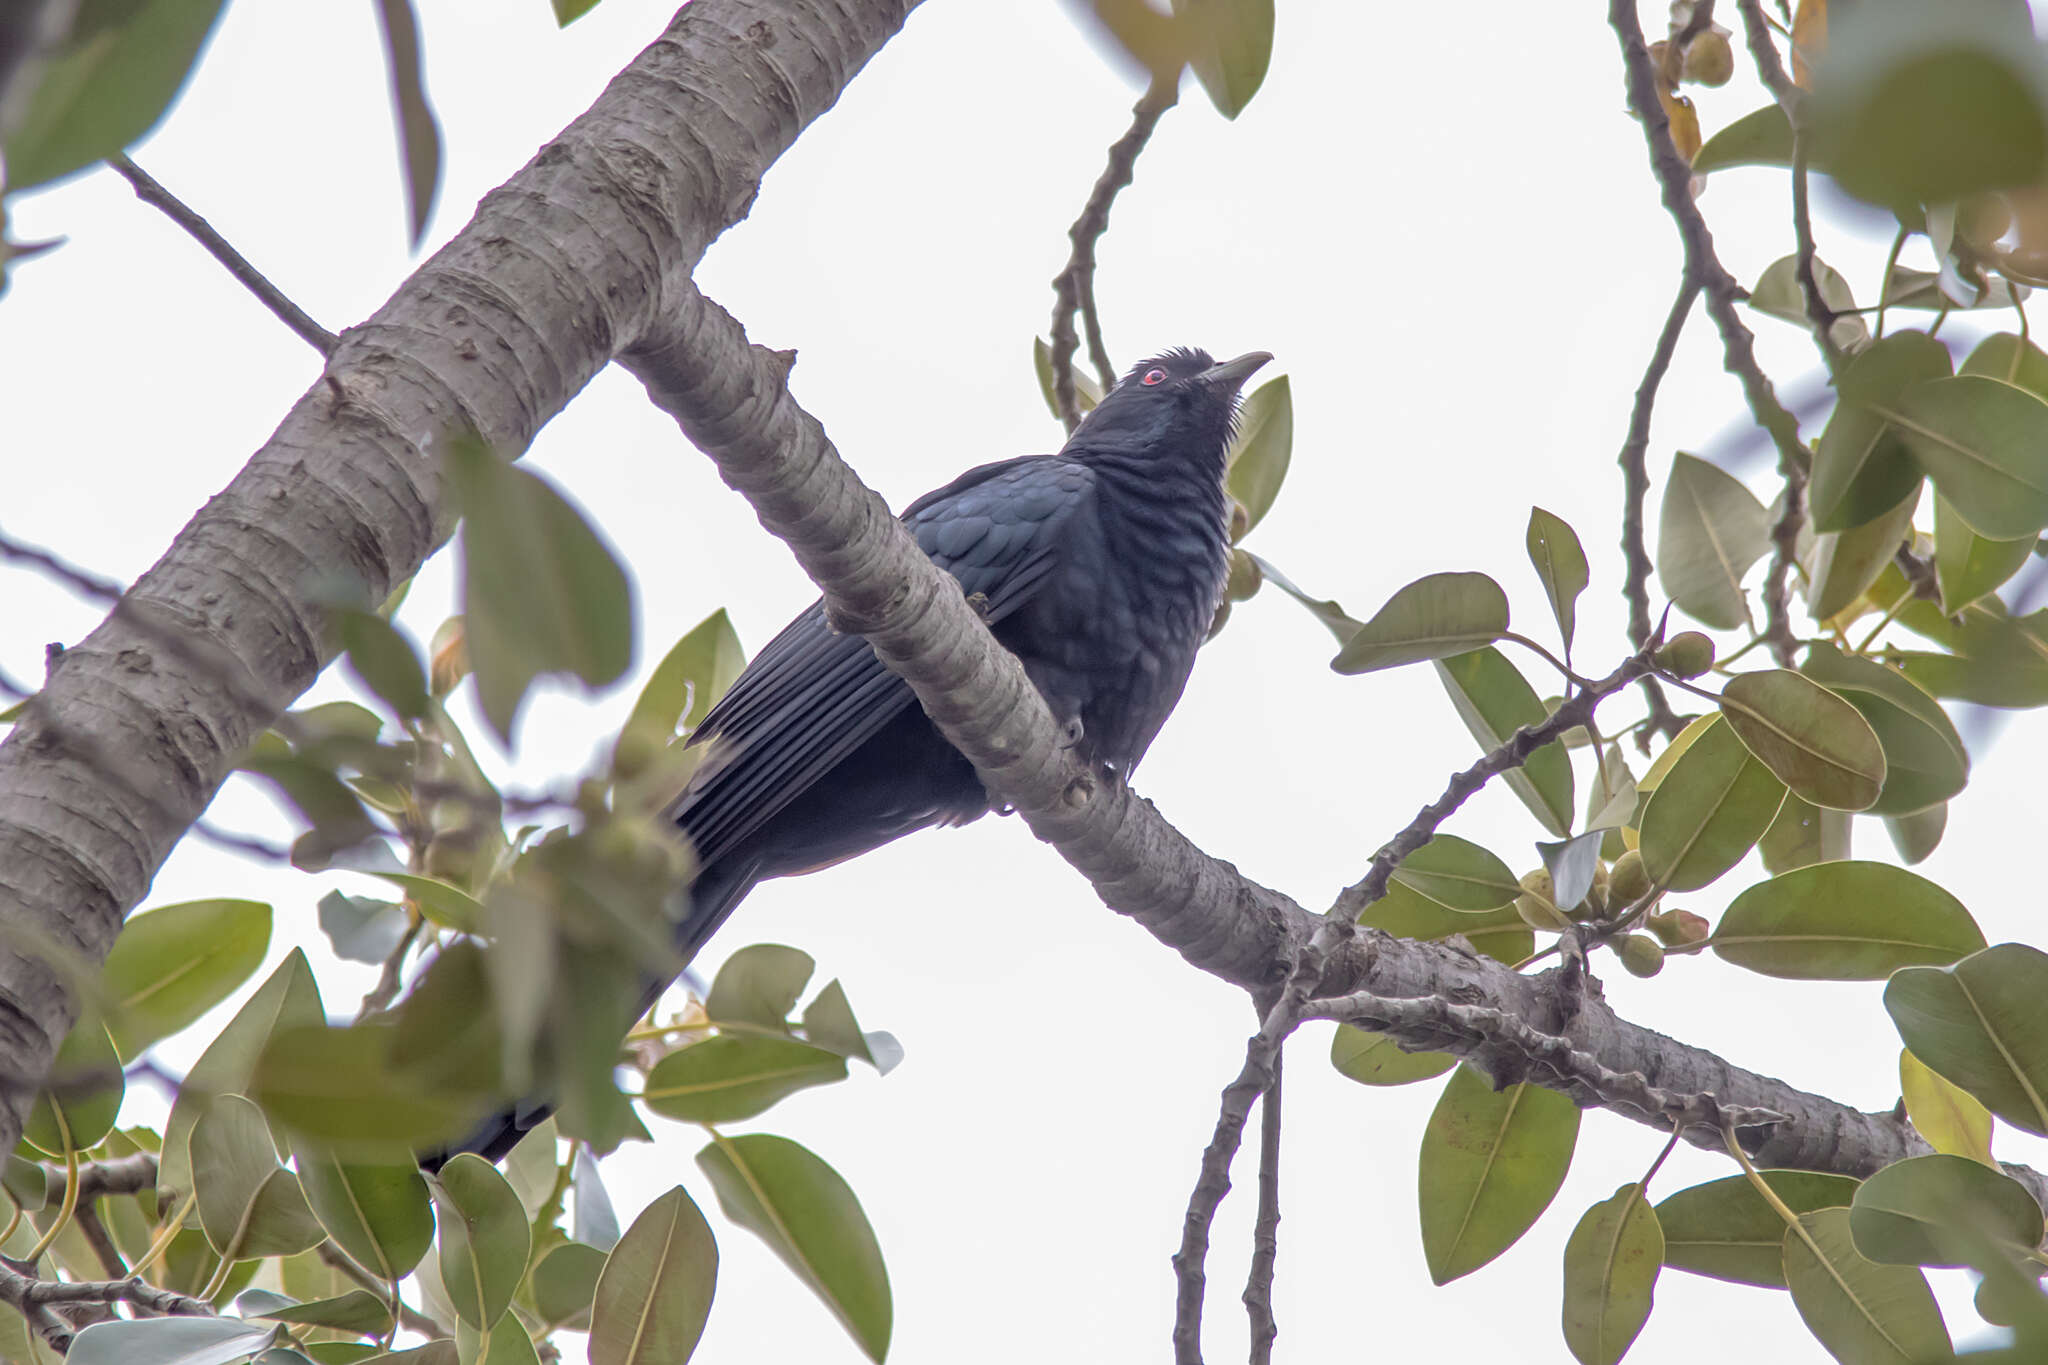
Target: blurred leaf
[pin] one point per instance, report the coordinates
(446, 905)
(1844, 921)
(1844, 565)
(568, 12)
(249, 1206)
(107, 85)
(1860, 1311)
(541, 592)
(531, 1168)
(655, 1292)
(1435, 617)
(1861, 469)
(484, 1239)
(759, 985)
(564, 1283)
(1816, 743)
(1229, 43)
(1708, 811)
(172, 964)
(2013, 358)
(1610, 1276)
(336, 1088)
(1491, 1163)
(335, 813)
(85, 1086)
(1459, 874)
(596, 1223)
(1969, 566)
(385, 660)
(690, 677)
(1264, 441)
(1917, 835)
(829, 1023)
(1375, 1059)
(1977, 1024)
(419, 137)
(360, 929)
(380, 1215)
(1985, 443)
(1725, 1230)
(1930, 289)
(1087, 393)
(806, 1214)
(1494, 701)
(358, 1312)
(1710, 531)
(1911, 1212)
(1561, 563)
(735, 1076)
(1778, 294)
(1760, 138)
(1572, 864)
(1500, 934)
(169, 1341)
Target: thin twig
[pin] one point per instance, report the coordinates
(1258, 1288)
(1073, 288)
(393, 976)
(203, 232)
(130, 1174)
(1635, 482)
(1763, 48)
(87, 1221)
(84, 582)
(410, 1318)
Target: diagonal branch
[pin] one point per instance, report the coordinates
(1635, 484)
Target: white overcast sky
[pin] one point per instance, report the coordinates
(1446, 233)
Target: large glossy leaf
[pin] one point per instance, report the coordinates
(1861, 470)
(169, 1341)
(484, 1239)
(1495, 700)
(337, 1088)
(759, 985)
(249, 1206)
(81, 1098)
(1725, 1230)
(1375, 1059)
(1610, 1276)
(541, 592)
(1949, 1117)
(736, 1076)
(1818, 744)
(1710, 531)
(1491, 1163)
(1845, 564)
(808, 1216)
(380, 1215)
(1707, 810)
(1925, 761)
(1499, 933)
(1930, 1210)
(1861, 1311)
(1969, 567)
(358, 1312)
(1230, 43)
(172, 964)
(655, 1292)
(1844, 921)
(1260, 451)
(1985, 442)
(1978, 1023)
(1458, 873)
(1561, 563)
(1762, 137)
(1435, 617)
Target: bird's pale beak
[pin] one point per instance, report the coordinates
(1231, 374)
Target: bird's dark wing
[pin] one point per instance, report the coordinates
(812, 696)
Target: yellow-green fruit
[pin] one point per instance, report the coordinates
(1240, 521)
(1982, 219)
(1679, 928)
(1630, 880)
(1687, 655)
(1245, 578)
(1709, 60)
(1642, 955)
(1538, 913)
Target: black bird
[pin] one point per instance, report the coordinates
(1101, 566)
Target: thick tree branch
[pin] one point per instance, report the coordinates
(37, 1300)
(571, 259)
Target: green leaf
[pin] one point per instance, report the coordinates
(1435, 617)
(1494, 701)
(1491, 1162)
(505, 1344)
(358, 1312)
(736, 1076)
(1087, 393)
(1970, 567)
(1978, 1024)
(1324, 609)
(1949, 1117)
(690, 677)
(1985, 443)
(1917, 835)
(172, 964)
(1844, 921)
(249, 1206)
(1709, 810)
(1610, 1276)
(1375, 1059)
(655, 1292)
(2013, 358)
(337, 1089)
(1260, 450)
(1572, 865)
(386, 661)
(569, 11)
(1859, 1310)
(85, 1086)
(1561, 563)
(1925, 761)
(107, 85)
(541, 592)
(1725, 1230)
(1230, 43)
(1861, 470)
(169, 1341)
(806, 1214)
(829, 1023)
(1816, 743)
(1762, 137)
(334, 813)
(1844, 565)
(1778, 294)
(1710, 531)
(1910, 1212)
(446, 905)
(759, 985)
(1803, 834)
(565, 1281)
(380, 1215)
(484, 1239)
(1459, 874)
(1500, 934)
(288, 999)
(419, 136)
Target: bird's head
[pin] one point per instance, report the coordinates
(1181, 399)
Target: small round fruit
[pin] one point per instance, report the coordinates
(1642, 955)
(1982, 219)
(1687, 655)
(1679, 928)
(1630, 880)
(1709, 60)
(1538, 913)
(1245, 577)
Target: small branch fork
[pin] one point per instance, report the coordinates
(39, 1301)
(1635, 482)
(1073, 288)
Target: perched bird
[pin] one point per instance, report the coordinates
(1101, 568)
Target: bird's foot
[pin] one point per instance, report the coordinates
(1072, 733)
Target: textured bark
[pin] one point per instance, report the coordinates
(563, 265)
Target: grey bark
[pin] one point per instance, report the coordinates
(569, 261)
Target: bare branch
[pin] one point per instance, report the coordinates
(37, 1299)
(122, 1175)
(217, 246)
(1635, 484)
(1074, 287)
(84, 582)
(1763, 48)
(1258, 1289)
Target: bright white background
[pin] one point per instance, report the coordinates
(1448, 236)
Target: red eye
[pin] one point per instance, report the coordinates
(1153, 377)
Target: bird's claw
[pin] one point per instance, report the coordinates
(1071, 733)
